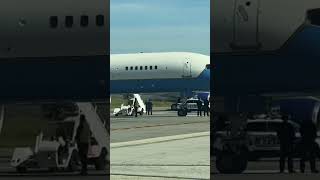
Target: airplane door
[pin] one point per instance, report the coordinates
(112, 73)
(186, 72)
(245, 33)
(115, 73)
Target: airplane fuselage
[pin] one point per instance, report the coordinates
(159, 72)
(262, 48)
(53, 50)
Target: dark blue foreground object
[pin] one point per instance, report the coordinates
(293, 69)
(54, 78)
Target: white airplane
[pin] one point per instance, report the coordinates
(266, 47)
(53, 49)
(159, 72)
(263, 48)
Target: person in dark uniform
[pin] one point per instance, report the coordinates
(286, 136)
(308, 135)
(150, 106)
(206, 107)
(83, 138)
(135, 105)
(199, 106)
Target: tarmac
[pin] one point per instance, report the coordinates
(161, 146)
(266, 169)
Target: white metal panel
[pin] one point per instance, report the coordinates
(246, 24)
(96, 126)
(36, 39)
(186, 68)
(277, 21)
(222, 24)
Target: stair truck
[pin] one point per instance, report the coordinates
(128, 110)
(55, 147)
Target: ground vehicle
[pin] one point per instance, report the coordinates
(55, 146)
(50, 151)
(260, 141)
(188, 106)
(128, 110)
(300, 110)
(199, 95)
(262, 136)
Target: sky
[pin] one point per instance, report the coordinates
(159, 26)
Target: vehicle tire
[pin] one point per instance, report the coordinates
(21, 169)
(100, 162)
(173, 107)
(231, 163)
(73, 163)
(182, 112)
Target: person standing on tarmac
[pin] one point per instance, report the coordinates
(135, 105)
(286, 136)
(199, 106)
(83, 138)
(150, 106)
(308, 135)
(206, 108)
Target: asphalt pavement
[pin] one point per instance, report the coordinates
(161, 146)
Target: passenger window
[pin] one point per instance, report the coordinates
(84, 21)
(314, 17)
(53, 21)
(156, 67)
(127, 68)
(69, 21)
(131, 68)
(136, 68)
(100, 20)
(150, 67)
(141, 67)
(146, 67)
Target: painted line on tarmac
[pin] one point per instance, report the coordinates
(156, 125)
(158, 139)
(121, 175)
(10, 175)
(251, 172)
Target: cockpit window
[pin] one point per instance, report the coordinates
(208, 66)
(314, 17)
